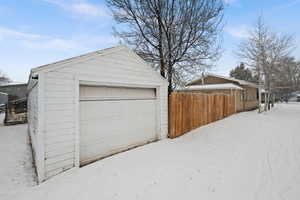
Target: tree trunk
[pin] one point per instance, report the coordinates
(269, 96)
(162, 68)
(170, 76)
(266, 101)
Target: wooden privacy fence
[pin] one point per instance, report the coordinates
(188, 111)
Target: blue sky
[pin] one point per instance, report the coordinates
(37, 32)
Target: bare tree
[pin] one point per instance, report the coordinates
(4, 78)
(180, 38)
(263, 51)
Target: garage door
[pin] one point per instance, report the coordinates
(113, 119)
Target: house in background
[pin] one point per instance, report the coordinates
(246, 93)
(92, 106)
(13, 91)
(3, 98)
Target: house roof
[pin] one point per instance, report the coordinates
(214, 87)
(240, 82)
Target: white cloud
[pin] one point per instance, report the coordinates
(95, 40)
(13, 33)
(82, 43)
(80, 7)
(241, 31)
(36, 40)
(53, 43)
(229, 1)
(45, 42)
(88, 9)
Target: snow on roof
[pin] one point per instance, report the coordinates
(214, 87)
(241, 82)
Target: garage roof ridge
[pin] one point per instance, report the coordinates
(78, 58)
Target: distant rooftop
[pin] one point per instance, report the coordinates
(213, 87)
(240, 82)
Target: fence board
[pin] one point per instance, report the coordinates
(189, 111)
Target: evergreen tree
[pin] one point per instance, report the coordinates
(243, 73)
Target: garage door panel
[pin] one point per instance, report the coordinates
(106, 93)
(110, 126)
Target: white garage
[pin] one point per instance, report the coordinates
(89, 107)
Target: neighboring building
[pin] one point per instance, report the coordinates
(16, 112)
(3, 98)
(92, 106)
(246, 93)
(13, 90)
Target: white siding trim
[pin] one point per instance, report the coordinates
(164, 111)
(158, 113)
(41, 126)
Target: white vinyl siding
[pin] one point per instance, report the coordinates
(123, 66)
(59, 122)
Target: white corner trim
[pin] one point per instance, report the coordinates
(41, 132)
(158, 113)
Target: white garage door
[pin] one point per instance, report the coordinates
(113, 119)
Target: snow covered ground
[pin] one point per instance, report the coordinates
(246, 156)
(16, 170)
